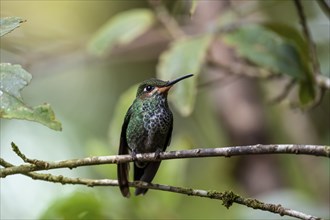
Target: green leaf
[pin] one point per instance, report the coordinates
(124, 102)
(291, 33)
(13, 79)
(268, 50)
(184, 56)
(8, 24)
(79, 205)
(123, 28)
(306, 92)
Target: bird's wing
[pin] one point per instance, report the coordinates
(169, 135)
(123, 168)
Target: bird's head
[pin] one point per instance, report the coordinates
(151, 87)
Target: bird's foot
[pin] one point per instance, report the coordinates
(157, 153)
(133, 154)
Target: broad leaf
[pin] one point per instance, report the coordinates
(8, 24)
(184, 56)
(292, 34)
(124, 102)
(77, 205)
(121, 29)
(13, 79)
(306, 92)
(268, 50)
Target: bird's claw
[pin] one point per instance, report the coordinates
(157, 153)
(133, 154)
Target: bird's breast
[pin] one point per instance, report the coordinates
(157, 124)
(149, 129)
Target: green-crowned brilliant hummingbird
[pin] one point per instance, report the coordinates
(147, 128)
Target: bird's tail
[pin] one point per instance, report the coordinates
(145, 174)
(122, 172)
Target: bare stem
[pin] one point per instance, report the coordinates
(166, 19)
(285, 93)
(325, 7)
(35, 165)
(323, 81)
(308, 36)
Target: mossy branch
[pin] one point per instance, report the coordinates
(227, 197)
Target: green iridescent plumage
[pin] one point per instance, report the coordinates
(147, 128)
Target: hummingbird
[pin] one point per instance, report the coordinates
(147, 128)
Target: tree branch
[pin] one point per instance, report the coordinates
(227, 197)
(36, 165)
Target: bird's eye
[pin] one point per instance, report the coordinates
(148, 88)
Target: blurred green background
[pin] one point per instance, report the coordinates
(84, 90)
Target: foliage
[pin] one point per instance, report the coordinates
(121, 29)
(262, 46)
(122, 105)
(8, 24)
(183, 57)
(93, 93)
(271, 51)
(268, 50)
(13, 79)
(78, 205)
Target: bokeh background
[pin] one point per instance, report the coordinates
(84, 90)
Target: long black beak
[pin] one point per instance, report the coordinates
(171, 83)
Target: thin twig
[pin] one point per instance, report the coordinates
(325, 7)
(242, 68)
(308, 36)
(38, 163)
(227, 197)
(166, 19)
(323, 81)
(220, 82)
(287, 89)
(315, 150)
